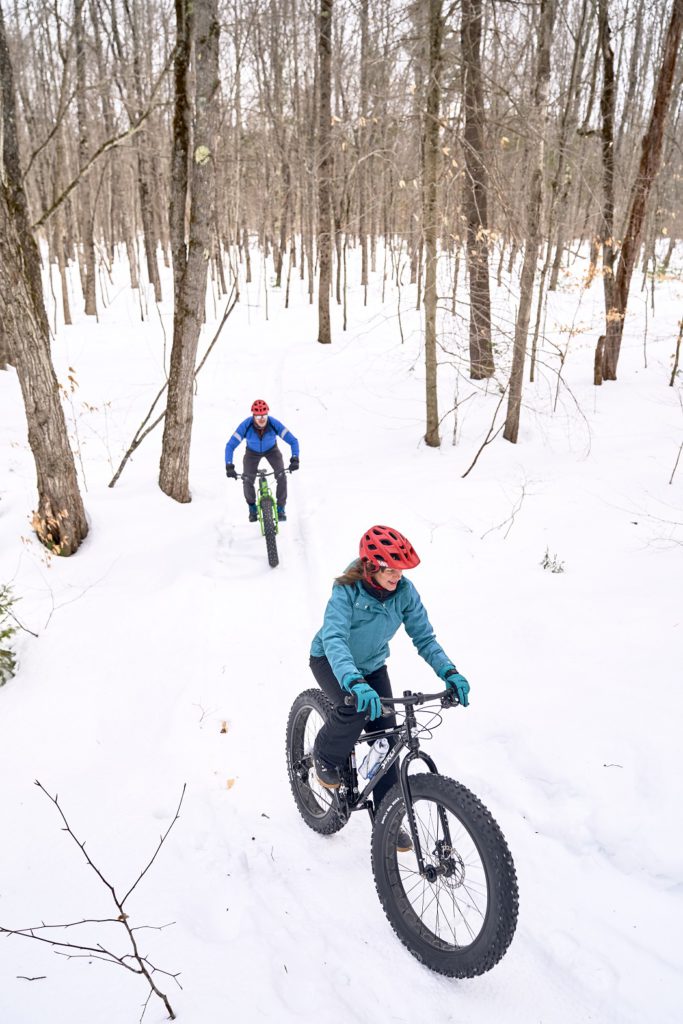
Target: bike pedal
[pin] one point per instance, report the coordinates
(327, 785)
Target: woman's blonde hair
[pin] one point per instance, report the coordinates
(354, 573)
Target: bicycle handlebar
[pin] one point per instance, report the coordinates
(259, 472)
(448, 698)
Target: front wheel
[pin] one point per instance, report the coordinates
(317, 805)
(269, 530)
(460, 915)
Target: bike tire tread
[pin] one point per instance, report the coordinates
(270, 532)
(492, 943)
(313, 699)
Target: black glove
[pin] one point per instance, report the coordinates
(293, 463)
(230, 470)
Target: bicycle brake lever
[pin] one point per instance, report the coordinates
(450, 700)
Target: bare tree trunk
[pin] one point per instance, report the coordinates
(562, 179)
(325, 172)
(190, 269)
(476, 194)
(59, 520)
(650, 161)
(85, 204)
(58, 234)
(142, 144)
(363, 152)
(284, 218)
(247, 253)
(4, 349)
(677, 354)
(121, 218)
(533, 228)
(430, 217)
(180, 156)
(63, 276)
(607, 108)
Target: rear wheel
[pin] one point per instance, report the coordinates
(317, 805)
(270, 531)
(459, 916)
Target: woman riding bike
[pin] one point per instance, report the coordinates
(369, 603)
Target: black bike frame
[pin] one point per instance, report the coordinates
(407, 740)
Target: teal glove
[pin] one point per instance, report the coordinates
(366, 699)
(457, 682)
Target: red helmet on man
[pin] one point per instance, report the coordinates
(259, 407)
(381, 547)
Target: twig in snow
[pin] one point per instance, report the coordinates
(510, 519)
(671, 480)
(136, 962)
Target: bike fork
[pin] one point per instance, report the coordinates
(430, 872)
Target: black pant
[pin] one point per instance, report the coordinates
(249, 467)
(336, 739)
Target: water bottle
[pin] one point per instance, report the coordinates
(373, 759)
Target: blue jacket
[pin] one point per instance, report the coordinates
(357, 629)
(247, 430)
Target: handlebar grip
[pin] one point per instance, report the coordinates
(350, 701)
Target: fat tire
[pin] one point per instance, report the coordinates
(270, 532)
(310, 801)
(500, 919)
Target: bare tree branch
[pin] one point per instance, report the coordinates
(135, 962)
(156, 852)
(105, 147)
(489, 437)
(141, 433)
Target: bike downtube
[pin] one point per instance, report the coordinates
(390, 759)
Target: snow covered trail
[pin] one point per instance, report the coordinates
(169, 653)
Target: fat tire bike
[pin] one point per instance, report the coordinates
(266, 509)
(453, 899)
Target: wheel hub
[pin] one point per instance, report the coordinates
(448, 864)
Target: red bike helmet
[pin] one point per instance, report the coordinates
(384, 548)
(259, 407)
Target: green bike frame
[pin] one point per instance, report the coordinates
(264, 491)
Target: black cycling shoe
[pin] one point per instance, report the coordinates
(404, 843)
(281, 514)
(253, 514)
(327, 776)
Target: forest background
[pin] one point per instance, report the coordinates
(494, 135)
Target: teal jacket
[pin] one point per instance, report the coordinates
(357, 628)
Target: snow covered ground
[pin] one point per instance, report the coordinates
(169, 623)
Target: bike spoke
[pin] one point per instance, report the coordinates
(451, 908)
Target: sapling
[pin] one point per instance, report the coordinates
(8, 627)
(551, 562)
